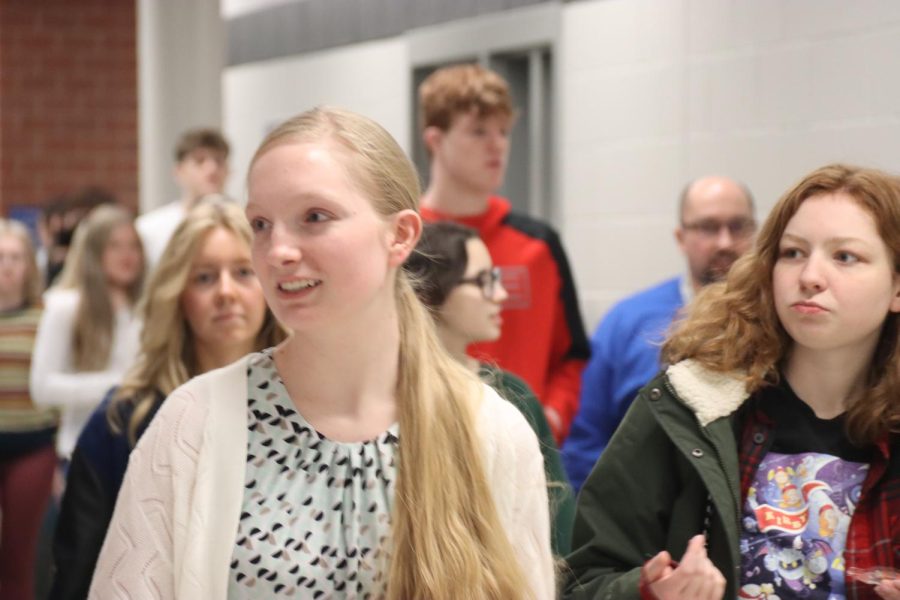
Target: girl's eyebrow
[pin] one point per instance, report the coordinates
(831, 240)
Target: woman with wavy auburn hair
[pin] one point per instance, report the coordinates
(203, 309)
(770, 447)
(357, 458)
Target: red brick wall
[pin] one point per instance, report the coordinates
(68, 99)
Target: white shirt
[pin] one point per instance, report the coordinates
(156, 228)
(54, 380)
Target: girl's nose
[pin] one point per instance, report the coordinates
(284, 248)
(812, 275)
(500, 293)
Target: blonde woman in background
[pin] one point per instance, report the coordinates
(203, 309)
(27, 455)
(357, 459)
(88, 335)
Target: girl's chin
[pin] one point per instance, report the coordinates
(491, 336)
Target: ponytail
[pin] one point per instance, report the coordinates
(448, 541)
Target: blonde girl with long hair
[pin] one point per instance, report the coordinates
(779, 408)
(27, 432)
(357, 459)
(203, 308)
(88, 336)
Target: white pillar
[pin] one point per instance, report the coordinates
(181, 56)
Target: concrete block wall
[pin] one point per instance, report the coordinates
(656, 92)
(68, 99)
(652, 93)
(370, 77)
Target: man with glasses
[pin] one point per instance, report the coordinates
(716, 227)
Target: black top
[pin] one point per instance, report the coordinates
(797, 429)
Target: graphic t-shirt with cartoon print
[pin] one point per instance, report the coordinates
(798, 508)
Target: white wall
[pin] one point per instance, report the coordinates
(372, 78)
(236, 8)
(652, 94)
(655, 92)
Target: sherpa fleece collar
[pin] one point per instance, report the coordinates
(709, 394)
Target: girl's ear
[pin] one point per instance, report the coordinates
(895, 300)
(406, 228)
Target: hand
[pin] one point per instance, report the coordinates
(695, 578)
(889, 589)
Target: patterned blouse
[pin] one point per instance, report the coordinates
(315, 519)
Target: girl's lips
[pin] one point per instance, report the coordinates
(808, 308)
(291, 286)
(297, 289)
(229, 316)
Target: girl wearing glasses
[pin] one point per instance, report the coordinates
(356, 459)
(766, 458)
(455, 278)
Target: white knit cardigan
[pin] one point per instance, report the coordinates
(176, 518)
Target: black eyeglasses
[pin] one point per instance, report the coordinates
(710, 228)
(487, 280)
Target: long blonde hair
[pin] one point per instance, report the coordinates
(733, 326)
(31, 287)
(167, 355)
(95, 318)
(447, 538)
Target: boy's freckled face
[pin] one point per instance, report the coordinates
(473, 151)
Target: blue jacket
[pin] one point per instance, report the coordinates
(624, 357)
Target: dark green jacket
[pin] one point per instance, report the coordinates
(562, 500)
(674, 452)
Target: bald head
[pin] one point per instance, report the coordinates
(714, 187)
(716, 226)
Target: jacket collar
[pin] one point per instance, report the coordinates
(486, 223)
(710, 394)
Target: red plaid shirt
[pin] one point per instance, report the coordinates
(874, 535)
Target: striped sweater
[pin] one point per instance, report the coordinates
(17, 413)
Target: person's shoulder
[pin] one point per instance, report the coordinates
(99, 439)
(709, 393)
(532, 227)
(663, 296)
(507, 379)
(57, 298)
(159, 214)
(669, 289)
(181, 420)
(98, 423)
(501, 421)
(229, 378)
